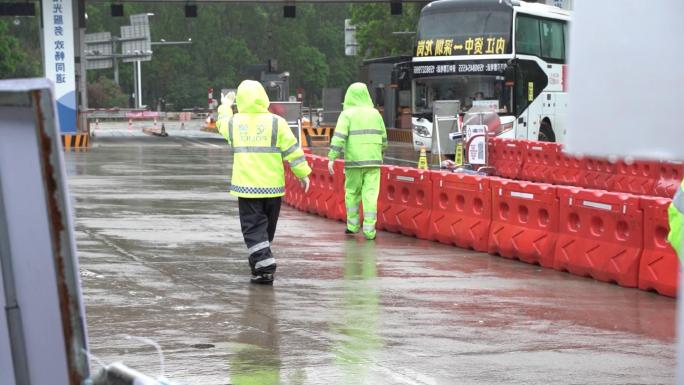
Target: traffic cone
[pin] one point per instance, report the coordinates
(422, 159)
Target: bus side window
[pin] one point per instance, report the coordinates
(552, 41)
(527, 39)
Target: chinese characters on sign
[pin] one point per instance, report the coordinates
(58, 42)
(58, 19)
(470, 46)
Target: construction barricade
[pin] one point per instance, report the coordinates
(540, 161)
(337, 209)
(294, 194)
(638, 177)
(600, 235)
(524, 221)
(322, 198)
(669, 178)
(461, 210)
(568, 169)
(507, 156)
(406, 197)
(597, 174)
(659, 265)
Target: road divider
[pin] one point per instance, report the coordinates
(613, 237)
(524, 221)
(461, 210)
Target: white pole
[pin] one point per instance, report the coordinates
(135, 84)
(139, 72)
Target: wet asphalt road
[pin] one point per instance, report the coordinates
(162, 257)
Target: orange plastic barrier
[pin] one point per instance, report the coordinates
(669, 178)
(461, 210)
(597, 174)
(540, 161)
(659, 264)
(294, 194)
(637, 177)
(507, 156)
(568, 169)
(337, 210)
(524, 221)
(322, 196)
(406, 199)
(600, 235)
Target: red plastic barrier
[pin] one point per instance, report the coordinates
(507, 156)
(524, 221)
(406, 200)
(322, 198)
(568, 169)
(600, 235)
(338, 210)
(294, 194)
(669, 178)
(659, 264)
(637, 177)
(597, 174)
(540, 161)
(461, 210)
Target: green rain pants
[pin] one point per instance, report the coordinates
(362, 184)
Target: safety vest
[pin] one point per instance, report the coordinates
(360, 131)
(676, 218)
(260, 142)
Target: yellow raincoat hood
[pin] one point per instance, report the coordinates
(251, 97)
(357, 96)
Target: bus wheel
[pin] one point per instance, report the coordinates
(546, 132)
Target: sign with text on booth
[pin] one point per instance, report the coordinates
(475, 136)
(60, 68)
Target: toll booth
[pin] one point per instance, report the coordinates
(390, 89)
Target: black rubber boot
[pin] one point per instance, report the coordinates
(263, 279)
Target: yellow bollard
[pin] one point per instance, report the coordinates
(422, 159)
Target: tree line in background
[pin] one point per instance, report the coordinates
(227, 41)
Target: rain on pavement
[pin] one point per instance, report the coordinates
(162, 257)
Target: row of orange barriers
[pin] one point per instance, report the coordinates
(547, 163)
(609, 236)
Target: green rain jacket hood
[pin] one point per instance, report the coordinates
(360, 131)
(357, 96)
(251, 97)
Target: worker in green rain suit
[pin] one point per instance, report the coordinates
(676, 217)
(225, 112)
(358, 328)
(360, 134)
(256, 358)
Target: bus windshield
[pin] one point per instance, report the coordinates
(466, 24)
(486, 91)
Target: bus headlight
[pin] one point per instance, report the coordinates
(421, 131)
